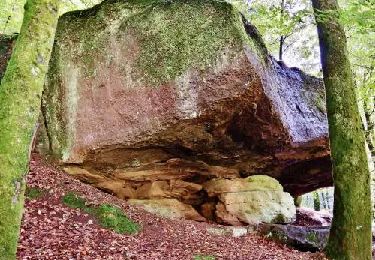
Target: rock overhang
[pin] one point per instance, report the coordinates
(180, 90)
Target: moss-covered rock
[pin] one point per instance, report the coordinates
(300, 237)
(147, 43)
(251, 183)
(254, 207)
(253, 200)
(134, 85)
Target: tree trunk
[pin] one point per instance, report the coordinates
(369, 110)
(282, 38)
(20, 92)
(350, 236)
(369, 126)
(281, 45)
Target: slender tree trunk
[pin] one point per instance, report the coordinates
(369, 109)
(350, 236)
(20, 92)
(281, 45)
(282, 37)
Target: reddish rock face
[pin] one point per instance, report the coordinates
(165, 115)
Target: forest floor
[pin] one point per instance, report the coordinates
(52, 230)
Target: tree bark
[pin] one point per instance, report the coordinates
(20, 93)
(350, 236)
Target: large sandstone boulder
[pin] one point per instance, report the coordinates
(253, 200)
(152, 99)
(134, 84)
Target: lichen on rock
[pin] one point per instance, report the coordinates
(251, 183)
(253, 200)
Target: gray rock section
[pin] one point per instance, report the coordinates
(303, 238)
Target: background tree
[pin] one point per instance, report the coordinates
(20, 93)
(350, 236)
(282, 23)
(358, 18)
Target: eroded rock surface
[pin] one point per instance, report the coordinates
(152, 99)
(253, 200)
(168, 208)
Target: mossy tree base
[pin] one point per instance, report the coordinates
(20, 93)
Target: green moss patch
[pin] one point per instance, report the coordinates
(34, 193)
(108, 216)
(265, 181)
(73, 201)
(171, 36)
(113, 218)
(204, 257)
(312, 237)
(178, 36)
